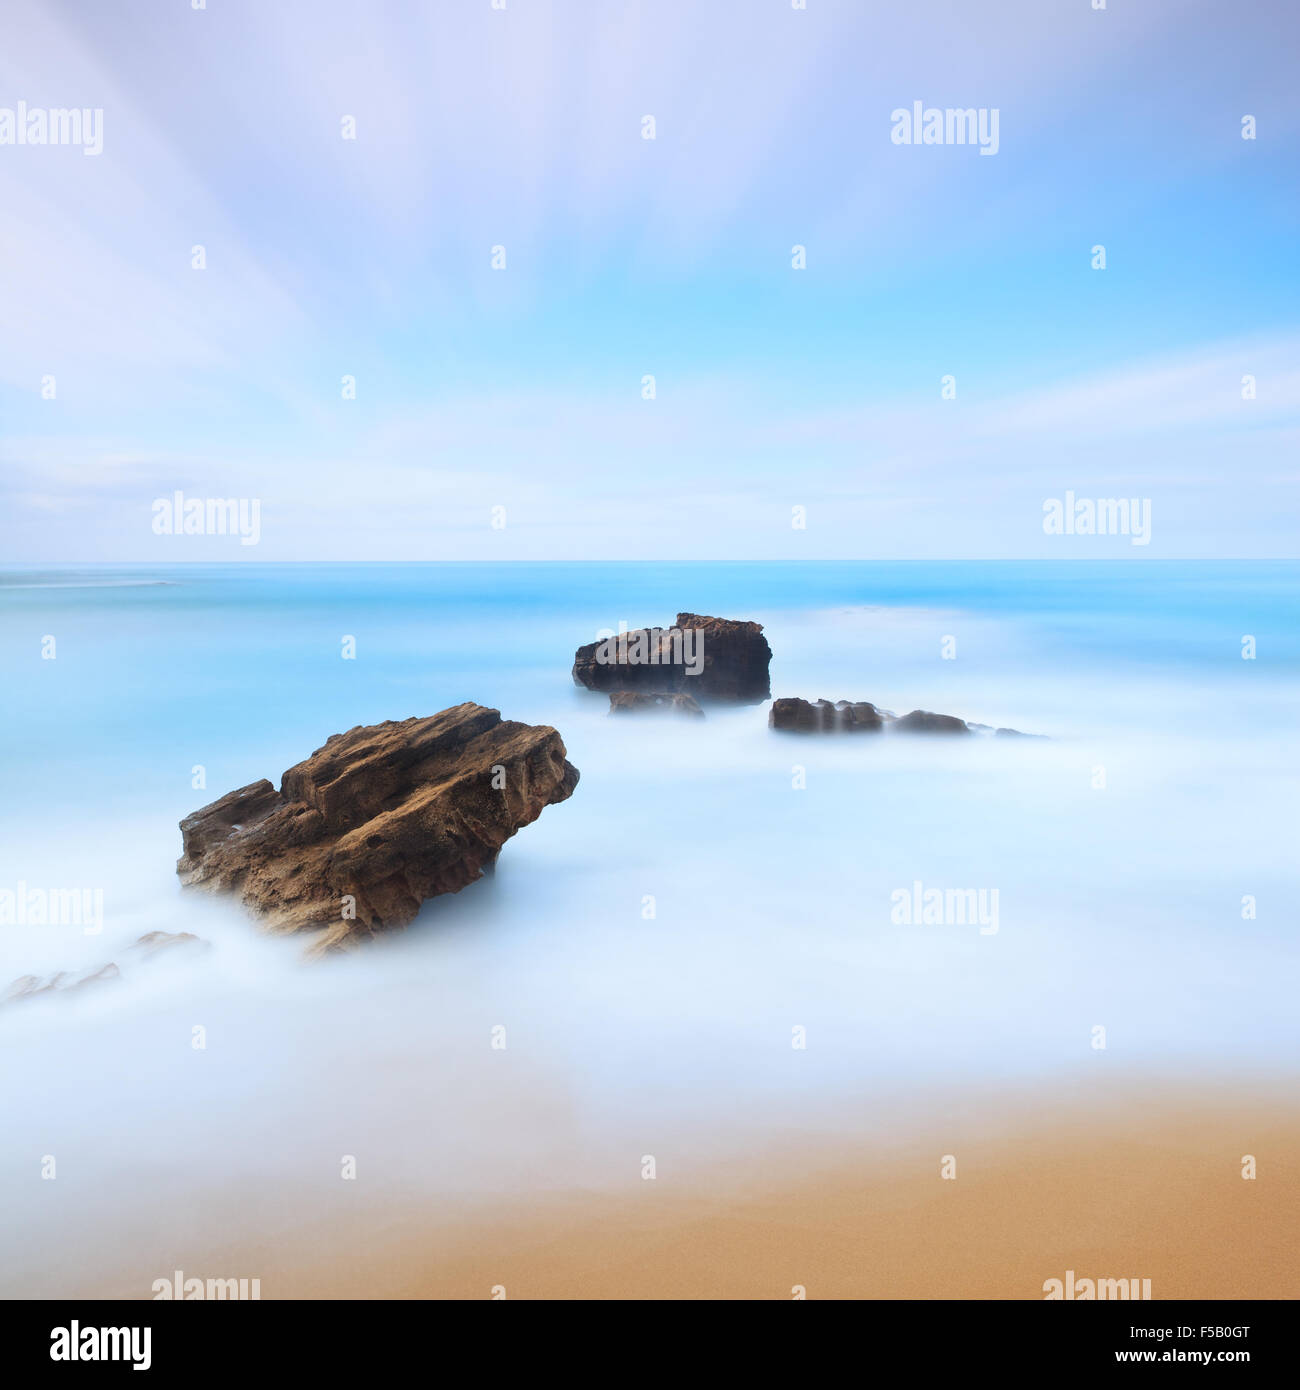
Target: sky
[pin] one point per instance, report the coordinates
(502, 413)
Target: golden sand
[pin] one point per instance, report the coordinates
(1144, 1184)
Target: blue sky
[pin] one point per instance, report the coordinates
(521, 388)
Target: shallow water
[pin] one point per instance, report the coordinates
(1118, 906)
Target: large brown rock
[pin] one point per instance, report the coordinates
(377, 821)
(709, 658)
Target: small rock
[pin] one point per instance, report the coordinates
(921, 721)
(152, 942)
(61, 982)
(794, 715)
(642, 702)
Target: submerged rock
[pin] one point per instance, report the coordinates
(642, 702)
(845, 716)
(921, 721)
(377, 821)
(69, 982)
(708, 658)
(154, 941)
(61, 982)
(858, 716)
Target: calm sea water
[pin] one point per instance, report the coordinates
(1121, 852)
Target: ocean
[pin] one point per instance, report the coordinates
(700, 953)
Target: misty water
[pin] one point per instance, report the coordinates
(1121, 850)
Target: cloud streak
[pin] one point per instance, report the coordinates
(328, 259)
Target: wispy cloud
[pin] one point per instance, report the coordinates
(370, 259)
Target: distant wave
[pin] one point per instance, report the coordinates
(95, 584)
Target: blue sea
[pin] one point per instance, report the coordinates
(656, 949)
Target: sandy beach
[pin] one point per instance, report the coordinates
(1140, 1183)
